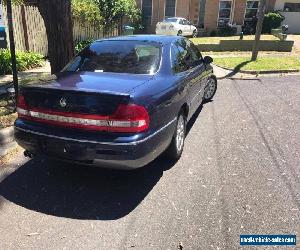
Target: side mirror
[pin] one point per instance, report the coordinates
(208, 60)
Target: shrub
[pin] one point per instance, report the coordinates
(227, 30)
(213, 33)
(272, 20)
(82, 44)
(25, 61)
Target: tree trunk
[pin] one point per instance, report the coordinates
(261, 15)
(59, 28)
(12, 49)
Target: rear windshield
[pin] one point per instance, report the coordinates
(134, 57)
(171, 20)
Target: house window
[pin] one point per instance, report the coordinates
(170, 8)
(292, 7)
(202, 13)
(251, 10)
(225, 8)
(147, 11)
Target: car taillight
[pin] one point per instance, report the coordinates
(129, 118)
(22, 107)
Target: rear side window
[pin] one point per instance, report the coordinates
(177, 55)
(185, 55)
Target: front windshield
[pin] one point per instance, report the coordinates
(171, 20)
(134, 57)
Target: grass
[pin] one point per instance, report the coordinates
(216, 40)
(262, 63)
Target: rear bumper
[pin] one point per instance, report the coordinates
(120, 153)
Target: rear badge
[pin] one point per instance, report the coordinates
(63, 102)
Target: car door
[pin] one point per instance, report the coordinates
(182, 27)
(186, 28)
(189, 28)
(200, 68)
(188, 67)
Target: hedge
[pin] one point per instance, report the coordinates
(25, 61)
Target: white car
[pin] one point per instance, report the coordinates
(176, 26)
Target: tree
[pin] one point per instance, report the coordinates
(112, 11)
(86, 11)
(59, 28)
(261, 14)
(12, 48)
(57, 17)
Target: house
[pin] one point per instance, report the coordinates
(207, 14)
(290, 9)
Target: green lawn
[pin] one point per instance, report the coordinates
(216, 40)
(262, 64)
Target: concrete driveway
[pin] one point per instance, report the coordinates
(239, 174)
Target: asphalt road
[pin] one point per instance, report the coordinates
(239, 174)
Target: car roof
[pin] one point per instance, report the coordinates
(146, 38)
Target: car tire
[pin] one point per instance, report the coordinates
(179, 33)
(210, 89)
(195, 33)
(177, 144)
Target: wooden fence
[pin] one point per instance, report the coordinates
(30, 31)
(85, 31)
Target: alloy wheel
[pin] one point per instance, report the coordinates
(210, 89)
(180, 133)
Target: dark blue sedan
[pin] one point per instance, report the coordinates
(119, 103)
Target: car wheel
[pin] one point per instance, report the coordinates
(210, 89)
(179, 33)
(195, 33)
(176, 147)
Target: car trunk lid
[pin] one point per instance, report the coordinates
(85, 104)
(83, 92)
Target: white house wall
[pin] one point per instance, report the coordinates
(292, 19)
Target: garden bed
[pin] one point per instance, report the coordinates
(263, 64)
(25, 60)
(233, 43)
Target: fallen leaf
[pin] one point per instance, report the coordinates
(32, 234)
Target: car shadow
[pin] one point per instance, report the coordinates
(194, 118)
(81, 192)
